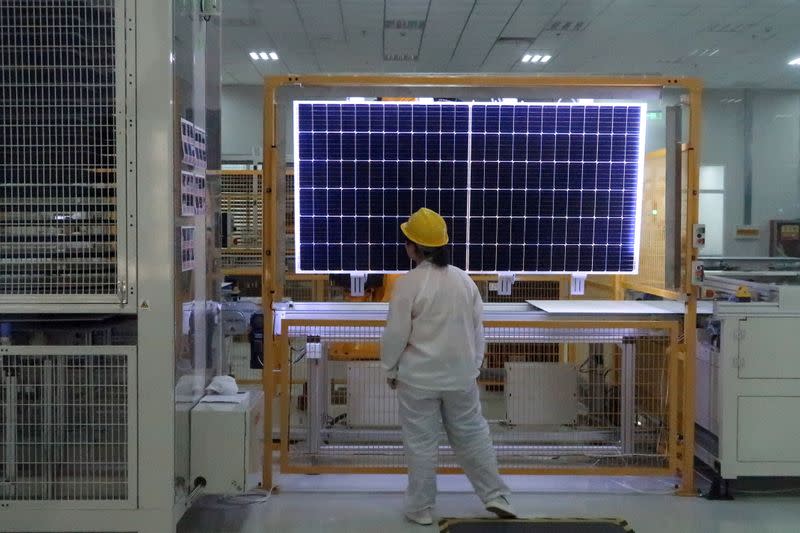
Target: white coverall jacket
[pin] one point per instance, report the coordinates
(444, 348)
(434, 345)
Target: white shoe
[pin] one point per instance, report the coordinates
(501, 507)
(423, 518)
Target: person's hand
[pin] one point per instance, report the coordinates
(392, 383)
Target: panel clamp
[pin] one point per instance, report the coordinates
(505, 281)
(577, 284)
(358, 281)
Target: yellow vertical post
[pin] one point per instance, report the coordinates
(619, 289)
(690, 318)
(318, 290)
(269, 286)
(564, 288)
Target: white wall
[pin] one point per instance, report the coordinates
(771, 130)
(242, 121)
(776, 149)
(773, 125)
(723, 144)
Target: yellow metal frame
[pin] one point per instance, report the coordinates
(283, 391)
(273, 291)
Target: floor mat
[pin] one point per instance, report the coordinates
(534, 525)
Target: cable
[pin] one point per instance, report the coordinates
(775, 491)
(249, 498)
(300, 358)
(754, 492)
(640, 491)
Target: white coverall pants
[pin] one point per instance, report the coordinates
(467, 431)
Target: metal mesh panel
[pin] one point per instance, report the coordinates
(64, 423)
(555, 397)
(241, 258)
(289, 221)
(241, 198)
(522, 291)
(299, 290)
(58, 148)
(240, 182)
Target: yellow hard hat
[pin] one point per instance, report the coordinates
(426, 228)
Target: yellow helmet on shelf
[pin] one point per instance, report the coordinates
(426, 228)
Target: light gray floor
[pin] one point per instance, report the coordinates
(373, 504)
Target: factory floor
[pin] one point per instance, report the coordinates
(337, 504)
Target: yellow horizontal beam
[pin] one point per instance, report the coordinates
(290, 276)
(457, 80)
(522, 277)
(242, 271)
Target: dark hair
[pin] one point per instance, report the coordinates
(440, 256)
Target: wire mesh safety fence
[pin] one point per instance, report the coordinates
(65, 427)
(522, 291)
(241, 203)
(244, 182)
(299, 290)
(556, 396)
(59, 186)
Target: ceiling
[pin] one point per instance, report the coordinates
(729, 43)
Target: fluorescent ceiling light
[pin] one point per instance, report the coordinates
(795, 62)
(545, 59)
(536, 58)
(253, 55)
(526, 58)
(264, 55)
(274, 56)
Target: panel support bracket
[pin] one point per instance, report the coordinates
(577, 284)
(358, 280)
(505, 281)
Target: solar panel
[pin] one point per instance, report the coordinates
(523, 187)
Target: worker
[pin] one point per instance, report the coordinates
(432, 349)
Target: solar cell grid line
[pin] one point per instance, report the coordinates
(530, 187)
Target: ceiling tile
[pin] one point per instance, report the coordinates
(322, 19)
(406, 9)
(531, 18)
(484, 26)
(443, 28)
(401, 43)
